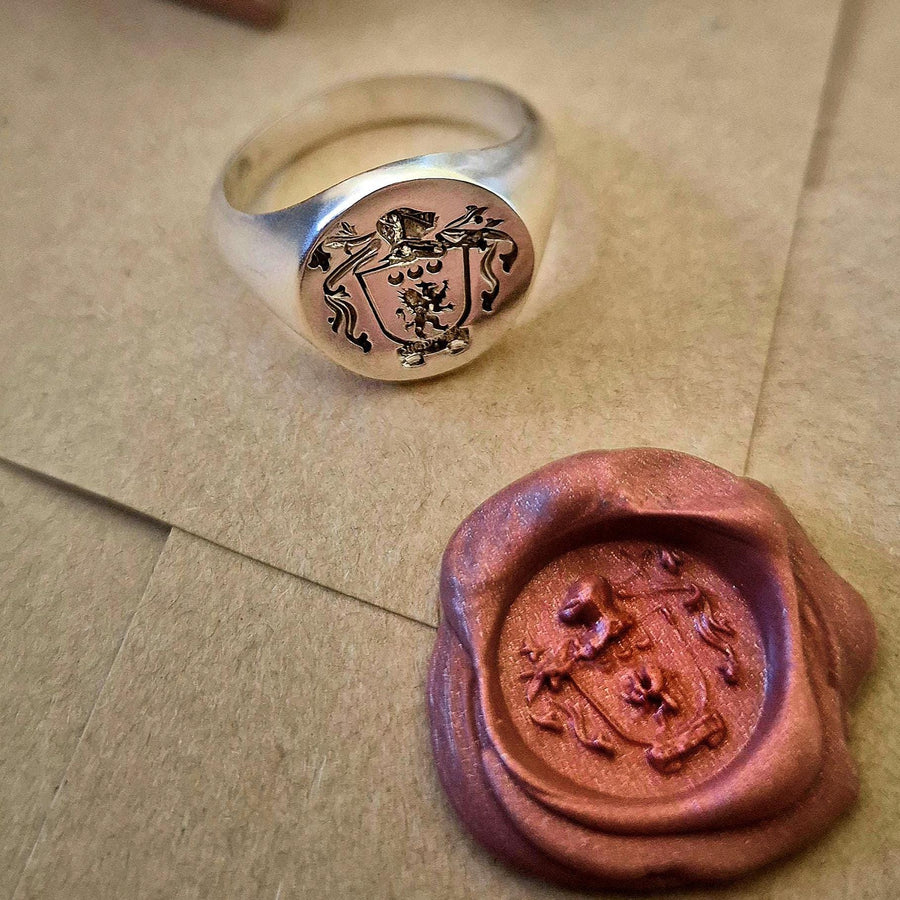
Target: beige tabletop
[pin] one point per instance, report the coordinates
(219, 587)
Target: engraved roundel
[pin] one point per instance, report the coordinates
(416, 278)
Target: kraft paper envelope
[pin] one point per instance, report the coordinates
(72, 572)
(828, 425)
(259, 736)
(827, 432)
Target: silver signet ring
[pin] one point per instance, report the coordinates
(410, 269)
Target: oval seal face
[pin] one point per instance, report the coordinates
(641, 674)
(416, 279)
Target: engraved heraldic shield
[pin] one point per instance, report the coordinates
(414, 280)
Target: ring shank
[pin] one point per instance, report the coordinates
(264, 248)
(371, 104)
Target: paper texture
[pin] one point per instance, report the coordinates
(72, 571)
(137, 366)
(828, 426)
(257, 735)
(260, 737)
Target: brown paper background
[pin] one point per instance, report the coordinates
(827, 431)
(72, 572)
(728, 227)
(259, 736)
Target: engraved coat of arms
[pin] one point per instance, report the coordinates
(419, 280)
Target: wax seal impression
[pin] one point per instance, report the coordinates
(641, 674)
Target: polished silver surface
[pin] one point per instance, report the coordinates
(354, 269)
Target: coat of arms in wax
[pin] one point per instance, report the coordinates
(642, 672)
(418, 279)
(642, 667)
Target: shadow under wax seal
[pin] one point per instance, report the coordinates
(641, 674)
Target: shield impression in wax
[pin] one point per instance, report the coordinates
(642, 674)
(632, 667)
(417, 278)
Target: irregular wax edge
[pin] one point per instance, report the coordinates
(709, 857)
(457, 757)
(838, 605)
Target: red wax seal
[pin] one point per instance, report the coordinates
(641, 674)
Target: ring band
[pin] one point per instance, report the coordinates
(410, 269)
